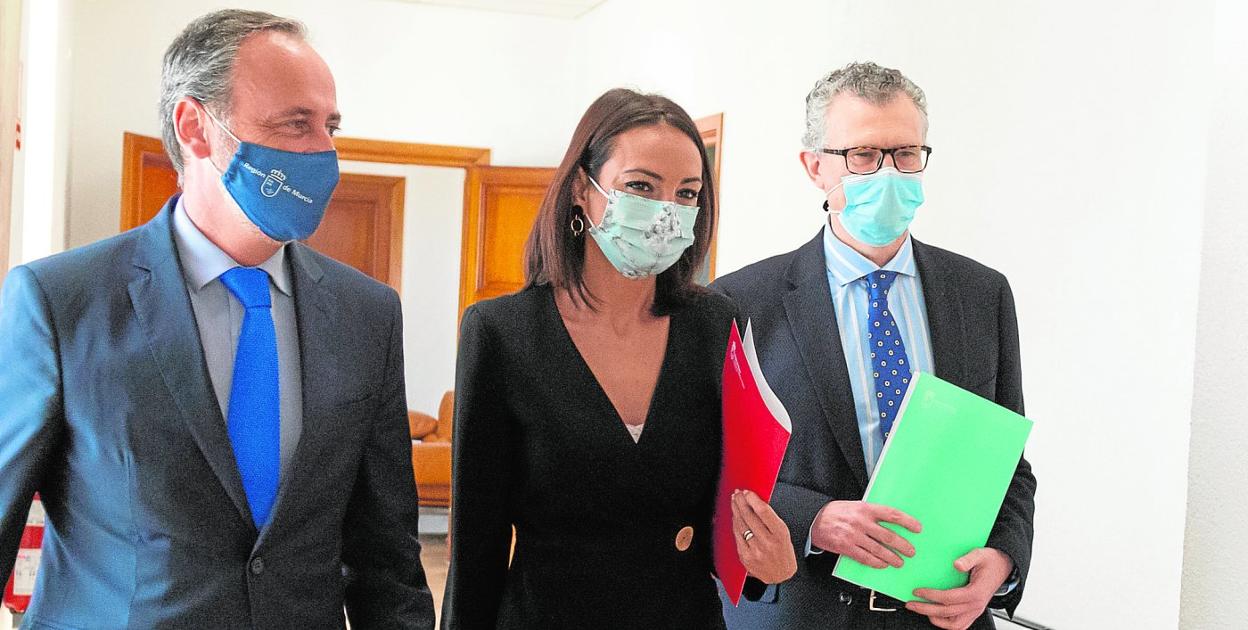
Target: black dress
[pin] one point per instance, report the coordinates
(539, 446)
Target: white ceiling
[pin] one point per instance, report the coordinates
(551, 8)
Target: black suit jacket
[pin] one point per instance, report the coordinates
(539, 446)
(107, 410)
(974, 337)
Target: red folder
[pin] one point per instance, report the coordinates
(756, 434)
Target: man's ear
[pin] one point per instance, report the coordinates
(811, 163)
(192, 128)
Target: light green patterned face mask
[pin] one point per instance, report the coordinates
(642, 237)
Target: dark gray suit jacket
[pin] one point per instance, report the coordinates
(974, 336)
(107, 410)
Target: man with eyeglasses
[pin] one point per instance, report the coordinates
(817, 313)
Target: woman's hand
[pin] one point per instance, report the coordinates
(763, 542)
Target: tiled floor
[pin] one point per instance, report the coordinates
(435, 559)
(433, 555)
(1004, 624)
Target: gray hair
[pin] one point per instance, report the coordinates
(200, 60)
(866, 80)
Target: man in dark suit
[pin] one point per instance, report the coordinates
(842, 323)
(212, 413)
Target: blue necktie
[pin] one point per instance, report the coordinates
(889, 363)
(254, 420)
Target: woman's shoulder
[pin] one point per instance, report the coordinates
(514, 311)
(712, 307)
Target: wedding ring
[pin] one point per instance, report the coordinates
(747, 535)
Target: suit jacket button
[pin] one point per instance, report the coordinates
(684, 538)
(257, 566)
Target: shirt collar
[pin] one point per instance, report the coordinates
(203, 261)
(847, 265)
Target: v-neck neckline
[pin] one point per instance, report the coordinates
(604, 400)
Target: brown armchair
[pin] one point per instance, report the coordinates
(431, 453)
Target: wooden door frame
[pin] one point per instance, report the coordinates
(413, 153)
(711, 129)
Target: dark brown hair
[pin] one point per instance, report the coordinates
(556, 256)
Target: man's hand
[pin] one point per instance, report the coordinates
(958, 608)
(853, 529)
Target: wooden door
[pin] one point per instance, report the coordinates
(147, 179)
(502, 204)
(363, 225)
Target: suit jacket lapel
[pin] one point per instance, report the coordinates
(163, 309)
(944, 314)
(808, 306)
(316, 320)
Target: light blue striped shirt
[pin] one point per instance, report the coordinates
(847, 271)
(847, 280)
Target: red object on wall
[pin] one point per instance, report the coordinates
(22, 582)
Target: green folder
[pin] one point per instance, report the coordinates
(948, 463)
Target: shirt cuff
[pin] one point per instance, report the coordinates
(811, 549)
(1009, 585)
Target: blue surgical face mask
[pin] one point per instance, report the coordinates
(282, 192)
(642, 237)
(879, 207)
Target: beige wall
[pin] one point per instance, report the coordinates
(10, 28)
(10, 36)
(433, 206)
(404, 72)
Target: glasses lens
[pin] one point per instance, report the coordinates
(863, 160)
(910, 159)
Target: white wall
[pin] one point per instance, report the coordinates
(1216, 554)
(432, 223)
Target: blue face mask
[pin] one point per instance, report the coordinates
(282, 192)
(879, 207)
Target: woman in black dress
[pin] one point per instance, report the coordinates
(587, 408)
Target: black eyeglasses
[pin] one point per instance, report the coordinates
(867, 160)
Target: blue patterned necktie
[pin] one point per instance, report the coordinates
(889, 363)
(254, 420)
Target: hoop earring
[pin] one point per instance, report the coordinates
(578, 224)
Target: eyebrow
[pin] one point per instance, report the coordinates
(643, 171)
(304, 112)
